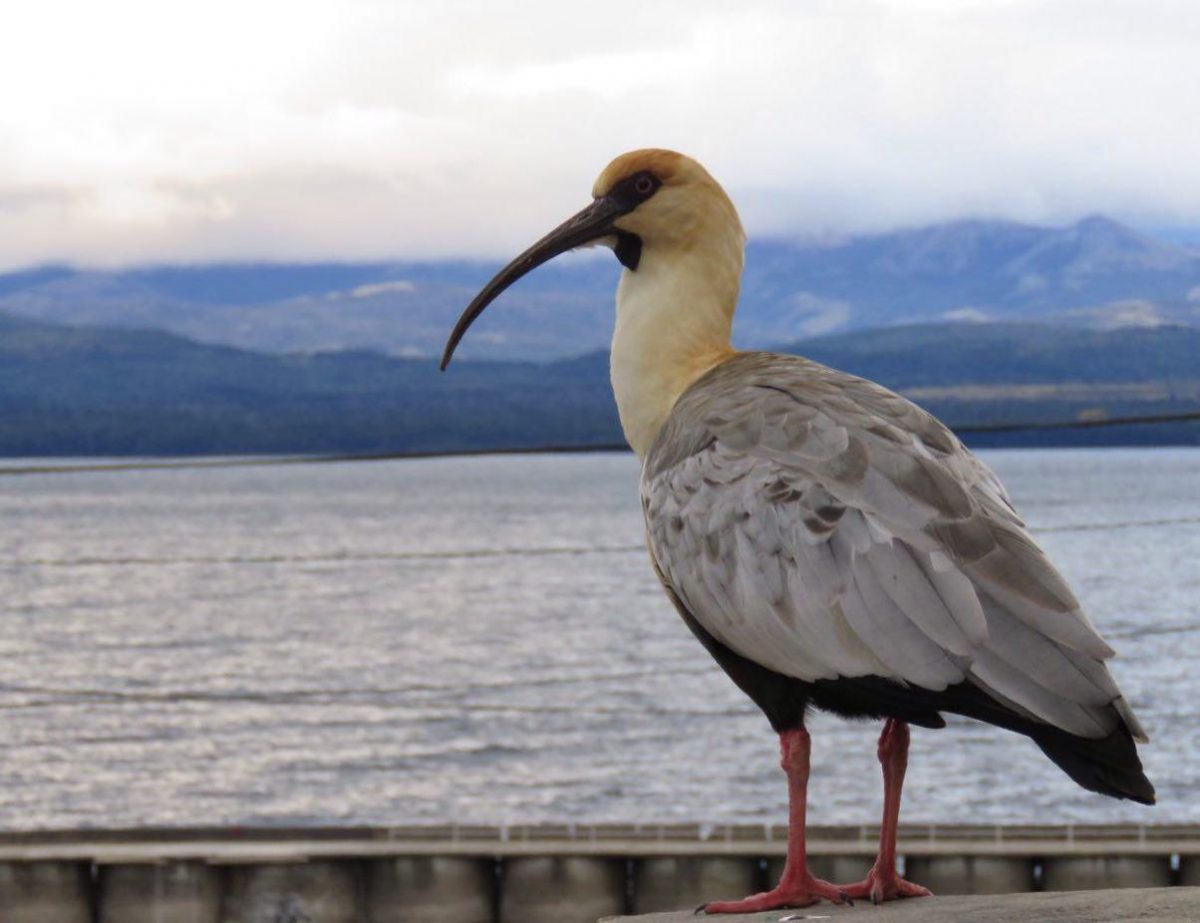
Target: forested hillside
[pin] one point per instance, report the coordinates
(121, 392)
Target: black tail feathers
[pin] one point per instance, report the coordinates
(1108, 765)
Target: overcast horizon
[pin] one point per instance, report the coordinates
(138, 133)
(1187, 237)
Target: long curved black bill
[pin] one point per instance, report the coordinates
(593, 222)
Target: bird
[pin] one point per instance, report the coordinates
(830, 543)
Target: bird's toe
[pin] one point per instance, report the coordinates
(794, 894)
(885, 886)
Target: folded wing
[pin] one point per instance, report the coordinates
(824, 527)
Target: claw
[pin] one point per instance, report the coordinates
(699, 909)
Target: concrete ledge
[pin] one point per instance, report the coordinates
(1160, 905)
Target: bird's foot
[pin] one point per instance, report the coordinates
(885, 885)
(802, 893)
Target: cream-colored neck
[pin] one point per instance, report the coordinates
(674, 315)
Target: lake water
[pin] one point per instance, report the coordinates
(482, 640)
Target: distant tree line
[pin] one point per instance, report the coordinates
(68, 391)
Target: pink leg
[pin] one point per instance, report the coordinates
(797, 888)
(882, 883)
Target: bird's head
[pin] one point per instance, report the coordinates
(645, 201)
(676, 203)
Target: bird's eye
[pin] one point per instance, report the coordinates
(643, 185)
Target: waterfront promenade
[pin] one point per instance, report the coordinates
(531, 874)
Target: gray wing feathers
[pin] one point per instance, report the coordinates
(824, 526)
(894, 636)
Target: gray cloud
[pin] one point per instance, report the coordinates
(364, 129)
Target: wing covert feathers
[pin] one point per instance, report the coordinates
(824, 527)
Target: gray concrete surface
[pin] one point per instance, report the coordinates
(1160, 905)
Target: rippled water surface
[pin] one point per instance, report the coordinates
(482, 640)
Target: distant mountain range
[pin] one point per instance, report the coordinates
(1095, 273)
(90, 391)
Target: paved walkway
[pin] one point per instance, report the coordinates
(1160, 905)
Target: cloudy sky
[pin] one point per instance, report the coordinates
(136, 131)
